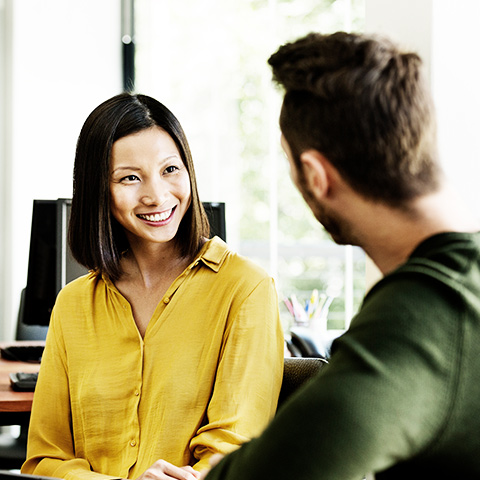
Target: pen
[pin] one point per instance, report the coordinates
(289, 306)
(322, 310)
(312, 304)
(300, 314)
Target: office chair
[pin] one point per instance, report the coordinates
(13, 450)
(28, 332)
(296, 372)
(304, 343)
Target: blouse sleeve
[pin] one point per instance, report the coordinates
(248, 378)
(50, 446)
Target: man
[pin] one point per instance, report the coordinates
(400, 397)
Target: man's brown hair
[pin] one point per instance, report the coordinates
(365, 106)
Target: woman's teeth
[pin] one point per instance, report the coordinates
(157, 217)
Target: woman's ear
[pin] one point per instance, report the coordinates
(316, 173)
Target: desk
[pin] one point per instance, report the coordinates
(15, 407)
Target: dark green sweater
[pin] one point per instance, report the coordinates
(401, 395)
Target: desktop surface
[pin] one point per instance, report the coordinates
(10, 400)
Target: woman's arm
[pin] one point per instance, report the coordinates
(50, 449)
(248, 378)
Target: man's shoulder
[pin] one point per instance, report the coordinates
(450, 258)
(441, 279)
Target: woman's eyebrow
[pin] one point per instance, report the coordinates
(126, 167)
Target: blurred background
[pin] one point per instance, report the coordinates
(206, 61)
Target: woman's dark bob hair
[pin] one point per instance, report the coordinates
(96, 239)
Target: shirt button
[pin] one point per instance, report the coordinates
(166, 300)
(133, 443)
(137, 393)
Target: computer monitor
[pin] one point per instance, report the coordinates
(50, 263)
(216, 216)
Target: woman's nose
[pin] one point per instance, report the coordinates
(153, 192)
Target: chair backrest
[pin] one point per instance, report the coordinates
(28, 332)
(297, 371)
(306, 343)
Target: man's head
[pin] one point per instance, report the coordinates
(364, 105)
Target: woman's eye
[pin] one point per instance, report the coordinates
(130, 178)
(171, 169)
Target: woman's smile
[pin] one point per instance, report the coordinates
(158, 218)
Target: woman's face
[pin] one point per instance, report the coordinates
(149, 186)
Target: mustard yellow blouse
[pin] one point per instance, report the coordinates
(205, 378)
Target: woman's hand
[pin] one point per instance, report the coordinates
(162, 470)
(213, 461)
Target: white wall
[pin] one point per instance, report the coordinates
(4, 170)
(456, 87)
(61, 59)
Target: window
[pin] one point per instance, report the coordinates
(207, 62)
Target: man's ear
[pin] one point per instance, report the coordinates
(316, 173)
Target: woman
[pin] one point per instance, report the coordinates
(170, 350)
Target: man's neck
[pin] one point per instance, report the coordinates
(390, 235)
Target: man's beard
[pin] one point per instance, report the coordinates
(335, 225)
